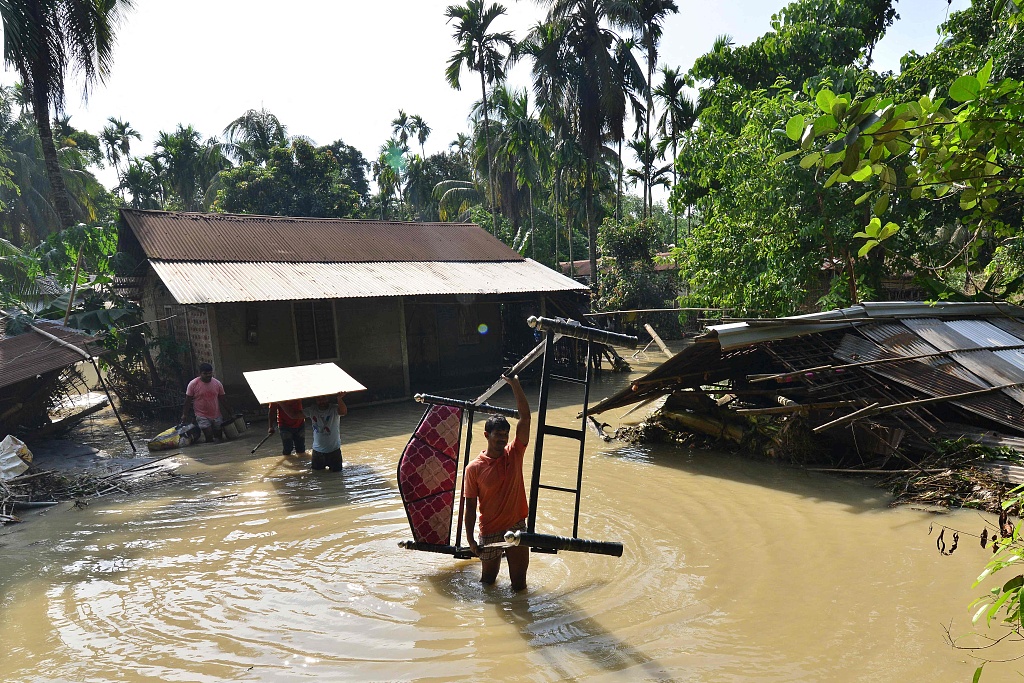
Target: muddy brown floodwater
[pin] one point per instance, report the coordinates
(252, 568)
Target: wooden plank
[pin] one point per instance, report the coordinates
(658, 341)
(300, 381)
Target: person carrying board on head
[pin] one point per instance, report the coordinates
(326, 421)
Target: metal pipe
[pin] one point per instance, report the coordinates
(575, 330)
(550, 542)
(458, 553)
(465, 405)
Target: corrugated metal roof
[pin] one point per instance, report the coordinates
(211, 283)
(931, 381)
(735, 335)
(897, 338)
(985, 364)
(173, 236)
(29, 354)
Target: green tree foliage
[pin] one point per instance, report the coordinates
(480, 50)
(187, 166)
(630, 281)
(43, 40)
(299, 180)
(252, 135)
(424, 175)
(806, 37)
(962, 151)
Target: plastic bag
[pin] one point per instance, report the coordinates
(14, 457)
(175, 437)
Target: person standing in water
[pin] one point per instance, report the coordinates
(495, 479)
(326, 420)
(205, 397)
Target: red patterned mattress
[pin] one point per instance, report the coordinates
(426, 474)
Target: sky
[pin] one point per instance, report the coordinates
(343, 69)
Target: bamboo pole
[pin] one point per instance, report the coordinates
(74, 285)
(99, 375)
(658, 341)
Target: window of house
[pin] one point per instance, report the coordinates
(314, 330)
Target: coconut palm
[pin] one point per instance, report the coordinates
(461, 146)
(403, 128)
(650, 173)
(188, 165)
(43, 40)
(422, 131)
(480, 51)
(141, 180)
(574, 70)
(646, 18)
(678, 118)
(252, 135)
(116, 139)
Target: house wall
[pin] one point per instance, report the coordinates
(371, 346)
(273, 345)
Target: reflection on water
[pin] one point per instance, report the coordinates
(254, 568)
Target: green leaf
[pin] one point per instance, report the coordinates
(862, 173)
(881, 204)
(863, 198)
(862, 234)
(888, 231)
(868, 246)
(785, 155)
(825, 99)
(810, 160)
(833, 178)
(873, 226)
(985, 73)
(825, 123)
(965, 89)
(795, 127)
(989, 204)
(977, 673)
(916, 192)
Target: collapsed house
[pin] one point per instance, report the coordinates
(875, 387)
(35, 368)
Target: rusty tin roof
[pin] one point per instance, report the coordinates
(30, 354)
(220, 237)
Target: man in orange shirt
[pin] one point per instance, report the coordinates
(495, 478)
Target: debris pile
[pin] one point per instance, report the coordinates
(931, 397)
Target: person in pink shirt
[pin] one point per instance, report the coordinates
(205, 397)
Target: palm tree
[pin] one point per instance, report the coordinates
(188, 165)
(631, 80)
(252, 135)
(403, 127)
(678, 118)
(43, 40)
(646, 19)
(479, 51)
(574, 70)
(422, 131)
(461, 145)
(116, 139)
(141, 180)
(649, 174)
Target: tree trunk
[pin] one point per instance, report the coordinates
(487, 150)
(61, 203)
(588, 194)
(675, 181)
(618, 191)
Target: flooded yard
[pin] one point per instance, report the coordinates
(252, 568)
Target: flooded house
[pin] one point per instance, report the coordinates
(403, 307)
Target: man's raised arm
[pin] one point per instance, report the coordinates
(523, 406)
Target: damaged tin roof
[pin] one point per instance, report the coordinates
(31, 354)
(938, 351)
